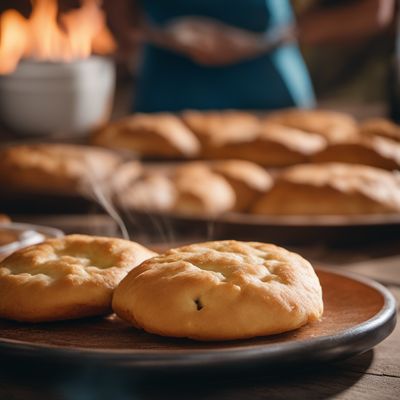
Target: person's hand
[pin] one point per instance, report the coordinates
(209, 42)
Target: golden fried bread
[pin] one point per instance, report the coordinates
(150, 135)
(333, 125)
(213, 128)
(153, 192)
(331, 188)
(374, 151)
(247, 179)
(54, 168)
(274, 146)
(221, 291)
(201, 192)
(125, 175)
(380, 127)
(65, 278)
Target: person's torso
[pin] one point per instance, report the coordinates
(256, 83)
(247, 14)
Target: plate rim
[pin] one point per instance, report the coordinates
(384, 318)
(247, 219)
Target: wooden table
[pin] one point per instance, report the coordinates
(372, 375)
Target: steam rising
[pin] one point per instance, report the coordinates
(94, 187)
(148, 224)
(105, 201)
(102, 192)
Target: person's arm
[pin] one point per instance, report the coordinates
(346, 23)
(207, 44)
(124, 18)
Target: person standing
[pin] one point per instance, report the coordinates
(201, 76)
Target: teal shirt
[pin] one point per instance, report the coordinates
(173, 82)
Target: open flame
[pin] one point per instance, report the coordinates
(45, 35)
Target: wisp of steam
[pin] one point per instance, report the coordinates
(95, 188)
(102, 193)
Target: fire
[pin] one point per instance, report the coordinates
(45, 35)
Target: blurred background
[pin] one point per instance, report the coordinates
(187, 120)
(122, 74)
(349, 49)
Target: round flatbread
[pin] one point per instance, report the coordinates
(220, 291)
(66, 278)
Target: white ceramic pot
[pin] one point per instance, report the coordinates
(57, 98)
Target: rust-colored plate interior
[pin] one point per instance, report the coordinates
(348, 303)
